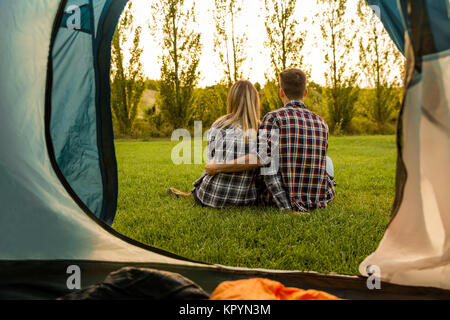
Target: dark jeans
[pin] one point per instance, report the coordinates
(194, 193)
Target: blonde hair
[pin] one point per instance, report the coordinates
(243, 108)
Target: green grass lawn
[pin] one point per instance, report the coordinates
(335, 239)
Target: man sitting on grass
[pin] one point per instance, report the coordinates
(292, 151)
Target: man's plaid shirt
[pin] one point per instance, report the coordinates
(228, 189)
(300, 138)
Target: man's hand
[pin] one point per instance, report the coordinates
(212, 169)
(246, 163)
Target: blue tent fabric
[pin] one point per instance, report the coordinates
(102, 54)
(394, 15)
(80, 126)
(42, 217)
(73, 119)
(393, 21)
(84, 21)
(439, 18)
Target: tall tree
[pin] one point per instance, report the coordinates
(211, 104)
(229, 44)
(314, 100)
(382, 65)
(127, 78)
(284, 39)
(341, 93)
(285, 43)
(179, 61)
(270, 100)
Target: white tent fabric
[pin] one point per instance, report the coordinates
(416, 247)
(39, 220)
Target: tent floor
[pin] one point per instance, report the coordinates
(47, 280)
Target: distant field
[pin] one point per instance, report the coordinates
(147, 101)
(335, 239)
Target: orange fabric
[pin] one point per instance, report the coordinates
(265, 289)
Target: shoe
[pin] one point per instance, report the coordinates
(172, 193)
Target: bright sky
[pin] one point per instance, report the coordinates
(258, 62)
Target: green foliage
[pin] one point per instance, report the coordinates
(127, 78)
(210, 105)
(340, 101)
(346, 108)
(228, 43)
(341, 93)
(380, 105)
(179, 61)
(378, 55)
(380, 109)
(336, 239)
(363, 126)
(284, 41)
(314, 99)
(152, 84)
(155, 124)
(270, 98)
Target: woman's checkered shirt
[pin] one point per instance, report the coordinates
(228, 189)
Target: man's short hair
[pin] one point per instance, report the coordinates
(293, 83)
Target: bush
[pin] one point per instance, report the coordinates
(361, 125)
(210, 105)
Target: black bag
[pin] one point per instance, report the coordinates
(141, 284)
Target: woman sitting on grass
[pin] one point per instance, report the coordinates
(233, 136)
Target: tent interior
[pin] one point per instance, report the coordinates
(58, 166)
